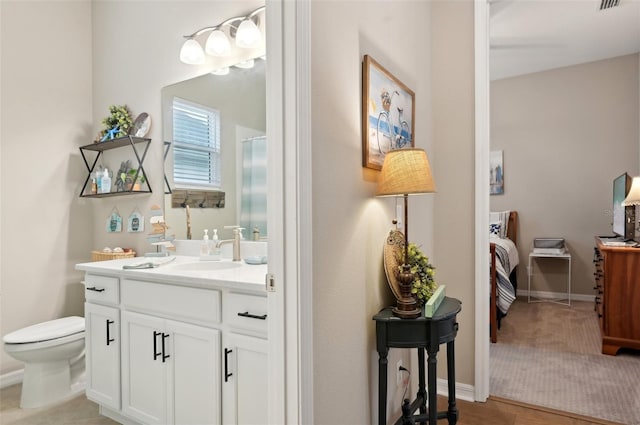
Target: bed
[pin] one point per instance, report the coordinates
(503, 230)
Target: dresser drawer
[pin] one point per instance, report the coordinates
(246, 312)
(101, 289)
(177, 302)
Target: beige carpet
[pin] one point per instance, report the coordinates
(549, 355)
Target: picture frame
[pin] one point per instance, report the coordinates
(496, 176)
(388, 114)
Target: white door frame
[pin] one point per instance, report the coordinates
(482, 131)
(288, 77)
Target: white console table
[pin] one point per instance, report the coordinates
(566, 256)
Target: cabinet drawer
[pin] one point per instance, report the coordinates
(101, 289)
(180, 302)
(246, 312)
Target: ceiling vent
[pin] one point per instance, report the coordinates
(608, 4)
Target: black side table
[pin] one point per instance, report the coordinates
(421, 333)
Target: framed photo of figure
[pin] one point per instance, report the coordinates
(388, 114)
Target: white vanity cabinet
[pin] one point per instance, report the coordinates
(169, 349)
(102, 340)
(102, 343)
(245, 360)
(170, 363)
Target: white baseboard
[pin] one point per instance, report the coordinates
(545, 295)
(11, 378)
(463, 391)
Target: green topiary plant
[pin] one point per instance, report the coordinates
(117, 124)
(424, 283)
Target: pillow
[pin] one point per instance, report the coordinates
(494, 229)
(502, 218)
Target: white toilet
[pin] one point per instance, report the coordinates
(53, 354)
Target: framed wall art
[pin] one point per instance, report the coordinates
(496, 176)
(388, 114)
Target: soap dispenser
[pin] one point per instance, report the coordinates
(105, 182)
(215, 251)
(204, 247)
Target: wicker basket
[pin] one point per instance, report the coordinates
(104, 256)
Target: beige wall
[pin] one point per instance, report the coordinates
(46, 115)
(349, 223)
(566, 134)
(452, 65)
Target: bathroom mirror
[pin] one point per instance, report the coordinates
(240, 99)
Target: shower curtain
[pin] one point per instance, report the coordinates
(253, 206)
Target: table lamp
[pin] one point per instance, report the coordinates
(405, 172)
(633, 197)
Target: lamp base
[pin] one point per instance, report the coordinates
(406, 306)
(405, 311)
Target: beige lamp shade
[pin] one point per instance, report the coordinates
(405, 172)
(633, 197)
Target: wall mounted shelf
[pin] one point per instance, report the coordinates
(119, 142)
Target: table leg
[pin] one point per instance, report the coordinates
(432, 392)
(452, 411)
(382, 385)
(422, 393)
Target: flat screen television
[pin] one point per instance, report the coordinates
(623, 217)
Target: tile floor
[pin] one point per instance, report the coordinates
(75, 411)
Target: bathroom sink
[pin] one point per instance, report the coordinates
(203, 266)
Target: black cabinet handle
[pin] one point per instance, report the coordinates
(109, 339)
(227, 375)
(93, 288)
(253, 316)
(155, 345)
(164, 338)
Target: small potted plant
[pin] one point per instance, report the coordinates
(136, 185)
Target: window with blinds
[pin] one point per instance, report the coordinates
(196, 145)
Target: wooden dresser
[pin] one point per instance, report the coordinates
(617, 276)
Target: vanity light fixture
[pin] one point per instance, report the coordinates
(243, 28)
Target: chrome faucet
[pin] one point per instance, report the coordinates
(236, 242)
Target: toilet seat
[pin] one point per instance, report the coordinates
(67, 327)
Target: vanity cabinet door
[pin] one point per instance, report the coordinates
(244, 376)
(170, 371)
(102, 342)
(144, 376)
(194, 381)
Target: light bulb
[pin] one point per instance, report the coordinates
(191, 53)
(218, 44)
(248, 35)
(245, 64)
(221, 71)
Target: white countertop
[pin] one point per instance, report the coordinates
(245, 277)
